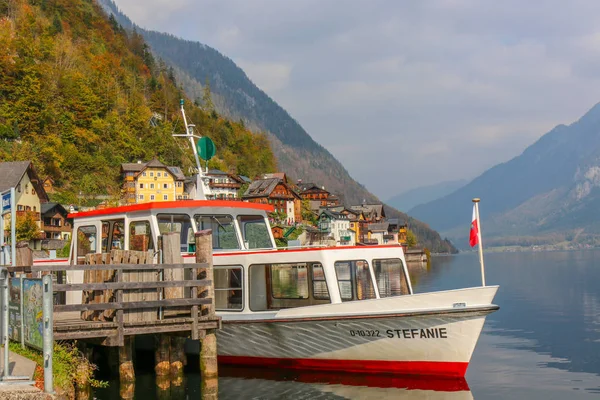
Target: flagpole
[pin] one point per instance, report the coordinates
(476, 201)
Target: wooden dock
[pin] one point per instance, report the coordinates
(125, 294)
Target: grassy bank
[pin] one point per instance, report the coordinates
(71, 370)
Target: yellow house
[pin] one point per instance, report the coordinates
(152, 181)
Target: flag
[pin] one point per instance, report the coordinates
(474, 235)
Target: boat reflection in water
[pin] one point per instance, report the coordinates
(259, 383)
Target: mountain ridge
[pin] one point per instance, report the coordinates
(237, 97)
(549, 190)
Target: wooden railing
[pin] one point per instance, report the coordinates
(118, 293)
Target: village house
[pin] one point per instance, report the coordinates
(358, 223)
(55, 224)
(223, 185)
(276, 192)
(336, 227)
(314, 193)
(49, 185)
(29, 193)
(152, 181)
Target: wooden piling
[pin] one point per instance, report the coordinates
(126, 372)
(204, 254)
(172, 255)
(208, 343)
(162, 363)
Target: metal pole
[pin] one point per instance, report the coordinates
(476, 201)
(21, 279)
(13, 228)
(48, 337)
(5, 320)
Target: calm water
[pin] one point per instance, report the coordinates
(544, 343)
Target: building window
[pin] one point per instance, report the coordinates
(141, 185)
(151, 197)
(178, 184)
(32, 191)
(166, 174)
(165, 185)
(165, 197)
(158, 174)
(151, 174)
(152, 186)
(144, 173)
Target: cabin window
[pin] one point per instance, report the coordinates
(354, 280)
(113, 233)
(223, 230)
(229, 292)
(390, 277)
(140, 236)
(289, 281)
(277, 286)
(178, 223)
(86, 242)
(319, 284)
(255, 232)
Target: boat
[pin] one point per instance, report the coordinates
(346, 308)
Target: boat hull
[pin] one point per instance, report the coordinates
(436, 343)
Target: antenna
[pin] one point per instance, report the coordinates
(201, 191)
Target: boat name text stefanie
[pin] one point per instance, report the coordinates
(423, 333)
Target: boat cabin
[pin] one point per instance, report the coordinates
(251, 276)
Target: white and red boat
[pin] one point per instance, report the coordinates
(334, 309)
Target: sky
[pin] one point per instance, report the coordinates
(406, 93)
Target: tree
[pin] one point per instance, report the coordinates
(207, 103)
(411, 239)
(27, 229)
(307, 214)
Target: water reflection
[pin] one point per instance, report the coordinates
(239, 383)
(548, 326)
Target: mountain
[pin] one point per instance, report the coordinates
(548, 194)
(236, 96)
(80, 95)
(424, 194)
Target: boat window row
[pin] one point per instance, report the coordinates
(253, 229)
(288, 285)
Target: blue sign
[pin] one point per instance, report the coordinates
(5, 202)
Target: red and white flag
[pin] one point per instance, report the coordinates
(474, 235)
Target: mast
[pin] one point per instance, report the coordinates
(201, 189)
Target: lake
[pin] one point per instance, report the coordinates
(543, 343)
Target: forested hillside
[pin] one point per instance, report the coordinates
(236, 96)
(80, 95)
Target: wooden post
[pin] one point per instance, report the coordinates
(204, 254)
(172, 255)
(208, 344)
(126, 372)
(162, 365)
(177, 359)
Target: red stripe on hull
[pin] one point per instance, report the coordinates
(435, 368)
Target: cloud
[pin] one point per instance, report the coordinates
(269, 76)
(445, 88)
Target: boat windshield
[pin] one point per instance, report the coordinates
(223, 230)
(255, 232)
